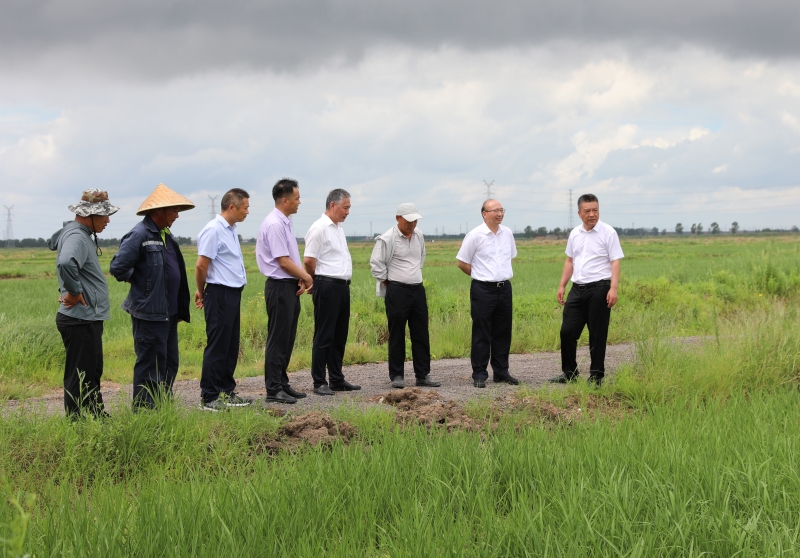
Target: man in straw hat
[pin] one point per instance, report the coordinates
(84, 301)
(150, 260)
(396, 264)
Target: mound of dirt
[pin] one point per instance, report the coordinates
(416, 406)
(317, 428)
(409, 398)
(309, 430)
(573, 409)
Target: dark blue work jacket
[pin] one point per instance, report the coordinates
(141, 262)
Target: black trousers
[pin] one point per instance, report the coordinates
(83, 367)
(408, 304)
(221, 306)
(283, 311)
(582, 308)
(156, 347)
(491, 328)
(331, 325)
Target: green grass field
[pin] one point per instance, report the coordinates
(687, 284)
(692, 450)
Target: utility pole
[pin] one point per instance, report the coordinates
(213, 205)
(370, 229)
(570, 210)
(488, 189)
(9, 228)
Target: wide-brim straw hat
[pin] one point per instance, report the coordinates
(164, 197)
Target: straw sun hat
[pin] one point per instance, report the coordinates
(164, 197)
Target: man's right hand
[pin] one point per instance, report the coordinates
(198, 299)
(561, 295)
(71, 300)
(305, 284)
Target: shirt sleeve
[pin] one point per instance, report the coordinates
(69, 263)
(614, 248)
(513, 245)
(207, 244)
(467, 250)
(424, 251)
(377, 261)
(276, 239)
(315, 238)
(124, 261)
(569, 251)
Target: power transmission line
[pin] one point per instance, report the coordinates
(9, 228)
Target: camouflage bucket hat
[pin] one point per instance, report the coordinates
(93, 202)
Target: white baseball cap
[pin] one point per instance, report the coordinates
(408, 211)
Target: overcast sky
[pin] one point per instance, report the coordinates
(669, 112)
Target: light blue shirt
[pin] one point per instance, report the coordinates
(219, 242)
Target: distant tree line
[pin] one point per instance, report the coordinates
(696, 228)
(714, 228)
(528, 232)
(103, 242)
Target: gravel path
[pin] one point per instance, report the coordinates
(532, 370)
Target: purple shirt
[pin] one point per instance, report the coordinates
(276, 239)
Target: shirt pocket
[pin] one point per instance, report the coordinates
(155, 255)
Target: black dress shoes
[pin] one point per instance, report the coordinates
(507, 380)
(427, 381)
(323, 390)
(296, 394)
(344, 385)
(563, 379)
(479, 383)
(398, 382)
(595, 381)
(280, 397)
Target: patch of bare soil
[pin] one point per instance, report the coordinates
(572, 409)
(416, 406)
(307, 430)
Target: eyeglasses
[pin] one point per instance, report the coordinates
(501, 211)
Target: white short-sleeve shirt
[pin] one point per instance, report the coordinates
(592, 252)
(488, 253)
(327, 243)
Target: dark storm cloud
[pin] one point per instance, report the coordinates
(167, 37)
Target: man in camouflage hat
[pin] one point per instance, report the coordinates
(84, 301)
(150, 260)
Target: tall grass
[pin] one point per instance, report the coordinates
(685, 285)
(703, 463)
(713, 480)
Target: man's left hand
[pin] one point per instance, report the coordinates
(611, 297)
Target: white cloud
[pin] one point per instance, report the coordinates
(425, 126)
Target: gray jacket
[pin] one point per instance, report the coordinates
(382, 255)
(78, 270)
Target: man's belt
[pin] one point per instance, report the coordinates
(495, 284)
(334, 280)
(601, 283)
(406, 285)
(282, 280)
(217, 285)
